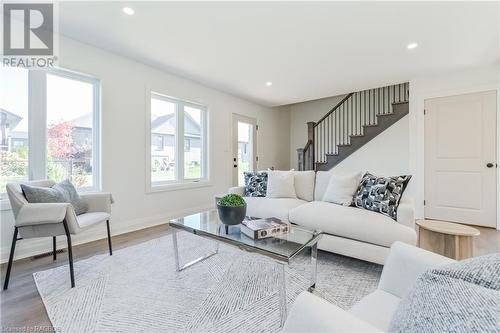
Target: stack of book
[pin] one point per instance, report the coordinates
(264, 228)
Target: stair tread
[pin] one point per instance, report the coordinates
(386, 114)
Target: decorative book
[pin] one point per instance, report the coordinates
(264, 228)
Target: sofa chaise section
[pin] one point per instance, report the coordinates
(353, 231)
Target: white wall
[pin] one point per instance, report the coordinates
(386, 155)
(124, 92)
(432, 86)
(300, 114)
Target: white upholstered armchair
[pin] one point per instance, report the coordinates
(54, 219)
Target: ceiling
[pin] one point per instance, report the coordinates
(308, 50)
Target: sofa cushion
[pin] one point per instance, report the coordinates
(304, 184)
(321, 183)
(341, 188)
(281, 184)
(271, 207)
(377, 308)
(352, 222)
(465, 298)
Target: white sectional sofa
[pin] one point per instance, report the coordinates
(349, 231)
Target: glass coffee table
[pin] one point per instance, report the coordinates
(282, 249)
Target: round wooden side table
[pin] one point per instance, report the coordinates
(450, 239)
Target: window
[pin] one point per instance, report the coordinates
(182, 126)
(13, 126)
(49, 127)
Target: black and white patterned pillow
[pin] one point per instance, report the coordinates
(255, 184)
(380, 194)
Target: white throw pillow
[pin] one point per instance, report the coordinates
(281, 184)
(341, 188)
(304, 184)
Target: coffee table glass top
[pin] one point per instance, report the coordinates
(282, 247)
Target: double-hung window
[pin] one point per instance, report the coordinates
(49, 124)
(181, 127)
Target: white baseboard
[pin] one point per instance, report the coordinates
(31, 247)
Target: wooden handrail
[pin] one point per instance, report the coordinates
(308, 144)
(334, 108)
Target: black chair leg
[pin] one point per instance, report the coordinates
(54, 249)
(11, 258)
(109, 239)
(70, 254)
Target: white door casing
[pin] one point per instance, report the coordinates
(460, 144)
(253, 143)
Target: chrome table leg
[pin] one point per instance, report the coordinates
(282, 295)
(314, 264)
(178, 267)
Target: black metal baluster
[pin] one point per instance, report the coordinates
(351, 117)
(355, 115)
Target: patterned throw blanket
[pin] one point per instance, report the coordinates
(460, 297)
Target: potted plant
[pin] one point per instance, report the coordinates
(232, 209)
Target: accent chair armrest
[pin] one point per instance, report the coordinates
(406, 212)
(403, 266)
(41, 213)
(237, 190)
(310, 314)
(98, 201)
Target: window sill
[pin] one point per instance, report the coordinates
(179, 186)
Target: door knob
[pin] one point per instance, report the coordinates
(490, 165)
(235, 165)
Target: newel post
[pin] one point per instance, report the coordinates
(310, 138)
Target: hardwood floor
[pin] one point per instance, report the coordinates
(21, 305)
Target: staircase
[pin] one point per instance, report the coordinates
(354, 121)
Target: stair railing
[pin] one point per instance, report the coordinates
(346, 119)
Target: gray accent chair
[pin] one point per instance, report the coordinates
(34, 220)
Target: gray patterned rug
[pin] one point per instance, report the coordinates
(138, 290)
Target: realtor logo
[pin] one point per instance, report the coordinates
(28, 29)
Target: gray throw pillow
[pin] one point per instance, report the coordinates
(460, 297)
(60, 192)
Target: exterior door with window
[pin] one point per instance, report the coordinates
(460, 158)
(244, 147)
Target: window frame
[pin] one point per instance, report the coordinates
(37, 125)
(180, 182)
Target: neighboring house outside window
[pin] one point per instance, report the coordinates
(172, 119)
(69, 149)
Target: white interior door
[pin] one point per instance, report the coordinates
(460, 156)
(244, 147)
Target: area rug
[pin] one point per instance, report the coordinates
(138, 290)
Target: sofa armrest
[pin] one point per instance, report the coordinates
(41, 213)
(312, 314)
(403, 266)
(406, 212)
(98, 201)
(237, 190)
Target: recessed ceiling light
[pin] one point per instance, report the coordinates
(269, 83)
(411, 46)
(128, 11)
